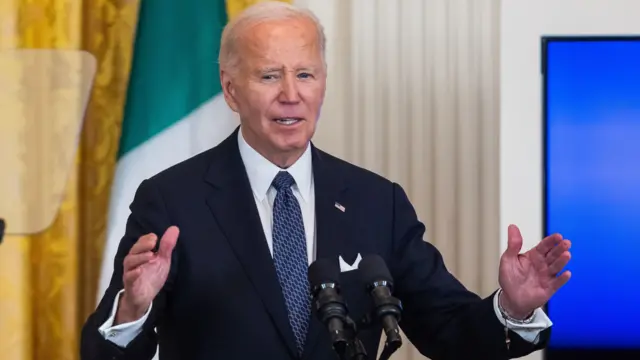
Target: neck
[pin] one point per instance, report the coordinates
(283, 161)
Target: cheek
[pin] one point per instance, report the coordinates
(259, 101)
(314, 98)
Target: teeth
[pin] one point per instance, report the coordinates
(287, 121)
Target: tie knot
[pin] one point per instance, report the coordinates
(283, 180)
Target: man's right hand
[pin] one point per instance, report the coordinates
(144, 274)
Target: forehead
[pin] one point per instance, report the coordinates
(277, 40)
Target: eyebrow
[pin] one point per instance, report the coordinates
(279, 69)
(269, 69)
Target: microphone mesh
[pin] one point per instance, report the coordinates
(323, 271)
(373, 268)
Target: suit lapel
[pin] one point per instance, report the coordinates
(233, 206)
(331, 229)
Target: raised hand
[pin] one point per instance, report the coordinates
(144, 274)
(529, 280)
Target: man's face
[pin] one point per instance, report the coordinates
(278, 87)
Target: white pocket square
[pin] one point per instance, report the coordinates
(344, 267)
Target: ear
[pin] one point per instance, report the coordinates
(228, 89)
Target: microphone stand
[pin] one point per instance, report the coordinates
(394, 340)
(355, 349)
(389, 348)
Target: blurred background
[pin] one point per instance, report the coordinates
(450, 98)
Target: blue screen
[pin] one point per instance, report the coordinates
(592, 192)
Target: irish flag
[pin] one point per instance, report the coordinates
(175, 107)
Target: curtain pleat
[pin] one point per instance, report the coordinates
(413, 95)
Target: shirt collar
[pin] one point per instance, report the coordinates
(261, 171)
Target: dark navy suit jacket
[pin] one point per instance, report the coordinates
(222, 299)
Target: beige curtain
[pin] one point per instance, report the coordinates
(413, 95)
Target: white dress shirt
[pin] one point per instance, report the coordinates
(261, 173)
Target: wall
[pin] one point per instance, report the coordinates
(522, 25)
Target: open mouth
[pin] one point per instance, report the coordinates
(288, 121)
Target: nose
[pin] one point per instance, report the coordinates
(289, 93)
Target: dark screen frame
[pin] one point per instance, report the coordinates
(572, 353)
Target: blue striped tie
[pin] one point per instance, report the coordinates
(290, 256)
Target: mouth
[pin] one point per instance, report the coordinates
(288, 121)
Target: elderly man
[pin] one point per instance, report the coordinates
(240, 223)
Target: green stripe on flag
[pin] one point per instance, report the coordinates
(175, 67)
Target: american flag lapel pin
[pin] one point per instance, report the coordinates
(339, 206)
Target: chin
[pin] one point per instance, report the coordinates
(292, 141)
(292, 146)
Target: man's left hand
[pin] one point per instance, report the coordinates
(529, 280)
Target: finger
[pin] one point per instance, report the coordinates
(132, 261)
(168, 242)
(145, 243)
(560, 263)
(514, 241)
(548, 243)
(558, 250)
(131, 276)
(559, 281)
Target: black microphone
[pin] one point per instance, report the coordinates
(1, 229)
(388, 309)
(329, 304)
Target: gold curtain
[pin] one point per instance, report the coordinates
(48, 281)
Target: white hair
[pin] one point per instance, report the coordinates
(260, 12)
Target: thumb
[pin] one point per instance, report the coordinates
(514, 241)
(168, 242)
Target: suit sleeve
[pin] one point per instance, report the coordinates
(148, 215)
(443, 319)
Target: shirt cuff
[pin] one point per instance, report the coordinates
(529, 332)
(122, 334)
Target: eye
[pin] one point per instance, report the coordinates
(269, 77)
(305, 75)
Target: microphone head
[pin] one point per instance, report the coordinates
(323, 271)
(373, 270)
